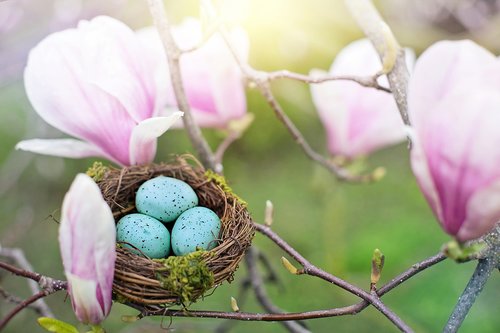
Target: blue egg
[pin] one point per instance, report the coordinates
(165, 198)
(197, 227)
(145, 233)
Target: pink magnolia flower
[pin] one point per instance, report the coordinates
(87, 241)
(96, 83)
(454, 104)
(358, 120)
(212, 79)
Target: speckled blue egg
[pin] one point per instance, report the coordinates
(145, 233)
(197, 227)
(165, 198)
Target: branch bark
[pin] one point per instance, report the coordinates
(173, 56)
(392, 55)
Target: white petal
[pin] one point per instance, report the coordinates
(483, 212)
(70, 148)
(87, 236)
(83, 297)
(144, 135)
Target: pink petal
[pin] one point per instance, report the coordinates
(117, 64)
(144, 135)
(483, 212)
(462, 162)
(62, 147)
(439, 68)
(358, 120)
(212, 79)
(88, 83)
(87, 241)
(86, 306)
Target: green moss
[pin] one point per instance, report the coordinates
(221, 181)
(121, 299)
(97, 171)
(188, 276)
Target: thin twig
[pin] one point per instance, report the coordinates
(24, 304)
(47, 283)
(227, 325)
(476, 284)
(365, 81)
(412, 271)
(53, 285)
(347, 310)
(341, 173)
(17, 255)
(310, 269)
(224, 145)
(262, 81)
(173, 56)
(261, 294)
(17, 300)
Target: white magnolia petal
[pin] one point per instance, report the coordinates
(87, 238)
(116, 63)
(70, 148)
(84, 300)
(422, 173)
(483, 212)
(144, 135)
(438, 70)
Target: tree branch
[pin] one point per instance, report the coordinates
(365, 81)
(173, 56)
(310, 269)
(474, 287)
(392, 55)
(24, 304)
(261, 294)
(17, 255)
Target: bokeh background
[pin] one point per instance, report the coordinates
(335, 225)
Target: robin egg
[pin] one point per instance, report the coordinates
(165, 198)
(145, 233)
(196, 228)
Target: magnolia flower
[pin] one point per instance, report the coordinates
(87, 241)
(358, 120)
(454, 105)
(96, 84)
(212, 79)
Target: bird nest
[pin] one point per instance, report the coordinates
(147, 283)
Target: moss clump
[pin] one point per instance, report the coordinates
(97, 171)
(221, 181)
(186, 274)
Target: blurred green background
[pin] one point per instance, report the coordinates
(335, 225)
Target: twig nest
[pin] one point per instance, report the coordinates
(149, 283)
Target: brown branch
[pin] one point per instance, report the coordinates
(47, 284)
(40, 310)
(297, 136)
(368, 298)
(262, 81)
(310, 269)
(173, 56)
(261, 294)
(17, 255)
(347, 310)
(412, 271)
(365, 81)
(24, 304)
(52, 285)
